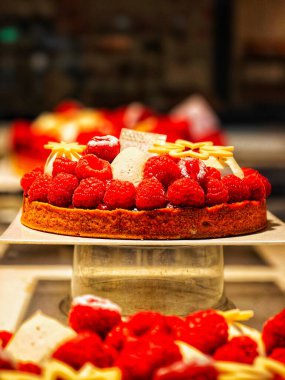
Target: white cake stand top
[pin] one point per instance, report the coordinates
(16, 233)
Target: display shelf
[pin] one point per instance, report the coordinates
(170, 276)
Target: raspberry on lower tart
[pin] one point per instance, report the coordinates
(273, 333)
(86, 347)
(91, 313)
(186, 371)
(241, 349)
(208, 330)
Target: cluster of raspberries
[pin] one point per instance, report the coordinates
(167, 182)
(144, 345)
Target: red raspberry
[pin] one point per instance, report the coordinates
(266, 183)
(94, 314)
(6, 361)
(237, 188)
(63, 165)
(241, 349)
(193, 168)
(186, 371)
(278, 354)
(28, 179)
(39, 188)
(139, 359)
(142, 324)
(92, 166)
(212, 173)
(256, 187)
(5, 337)
(186, 192)
(89, 193)
(145, 321)
(216, 192)
(61, 189)
(208, 330)
(176, 327)
(85, 347)
(120, 194)
(150, 194)
(105, 147)
(29, 367)
(273, 333)
(249, 171)
(119, 336)
(164, 168)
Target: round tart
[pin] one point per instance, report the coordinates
(167, 191)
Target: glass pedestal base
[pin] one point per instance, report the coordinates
(168, 280)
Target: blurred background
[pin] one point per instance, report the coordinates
(109, 53)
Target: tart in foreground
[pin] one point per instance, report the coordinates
(99, 344)
(166, 191)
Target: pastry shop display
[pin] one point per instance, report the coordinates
(100, 344)
(70, 121)
(116, 188)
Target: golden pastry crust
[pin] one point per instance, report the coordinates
(167, 223)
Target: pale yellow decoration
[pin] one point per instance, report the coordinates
(90, 372)
(55, 369)
(271, 365)
(234, 166)
(63, 149)
(190, 353)
(216, 156)
(238, 371)
(237, 315)
(15, 375)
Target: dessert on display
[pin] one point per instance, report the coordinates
(100, 344)
(143, 187)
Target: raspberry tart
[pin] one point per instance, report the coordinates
(165, 191)
(99, 344)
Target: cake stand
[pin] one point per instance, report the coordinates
(170, 276)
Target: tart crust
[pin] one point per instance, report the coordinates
(167, 223)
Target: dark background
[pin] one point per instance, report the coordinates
(108, 53)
